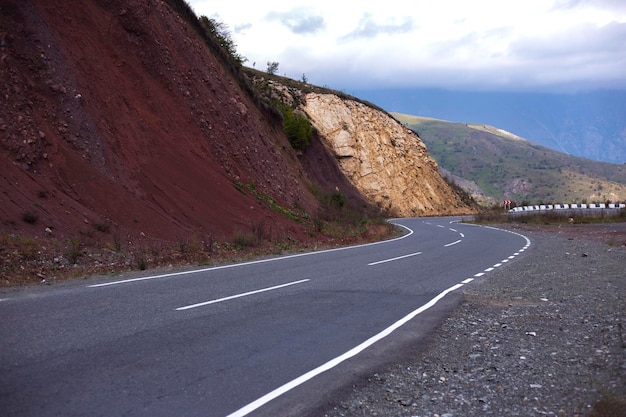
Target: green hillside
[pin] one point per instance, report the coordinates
(505, 166)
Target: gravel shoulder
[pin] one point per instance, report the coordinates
(543, 336)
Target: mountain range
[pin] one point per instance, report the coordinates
(493, 164)
(586, 124)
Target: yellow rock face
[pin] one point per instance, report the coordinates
(387, 162)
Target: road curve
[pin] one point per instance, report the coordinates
(256, 338)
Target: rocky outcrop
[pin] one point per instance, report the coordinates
(384, 160)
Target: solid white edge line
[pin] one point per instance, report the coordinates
(215, 268)
(245, 294)
(394, 259)
(334, 362)
(453, 243)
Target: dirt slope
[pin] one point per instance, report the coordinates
(115, 115)
(126, 137)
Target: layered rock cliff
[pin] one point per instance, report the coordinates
(387, 162)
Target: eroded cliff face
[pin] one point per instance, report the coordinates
(385, 161)
(117, 114)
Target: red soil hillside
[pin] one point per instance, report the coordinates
(116, 117)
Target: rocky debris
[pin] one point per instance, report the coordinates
(543, 336)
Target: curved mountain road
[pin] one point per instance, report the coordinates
(269, 337)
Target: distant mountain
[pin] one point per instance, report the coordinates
(494, 164)
(591, 125)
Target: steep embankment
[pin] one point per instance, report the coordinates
(125, 129)
(387, 162)
(118, 123)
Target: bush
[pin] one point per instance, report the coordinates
(74, 251)
(103, 227)
(223, 36)
(30, 217)
(297, 128)
(272, 68)
(142, 263)
(337, 199)
(243, 240)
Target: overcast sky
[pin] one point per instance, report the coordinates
(538, 45)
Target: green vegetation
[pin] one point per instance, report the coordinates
(291, 214)
(221, 33)
(74, 250)
(18, 247)
(337, 200)
(297, 127)
(502, 164)
(272, 68)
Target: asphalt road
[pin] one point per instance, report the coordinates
(270, 337)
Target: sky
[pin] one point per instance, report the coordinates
(480, 45)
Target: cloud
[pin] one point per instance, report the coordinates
(612, 5)
(581, 54)
(585, 41)
(242, 28)
(551, 44)
(299, 20)
(369, 28)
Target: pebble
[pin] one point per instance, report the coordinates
(563, 372)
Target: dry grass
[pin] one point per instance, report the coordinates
(28, 261)
(551, 217)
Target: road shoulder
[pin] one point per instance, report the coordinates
(543, 336)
